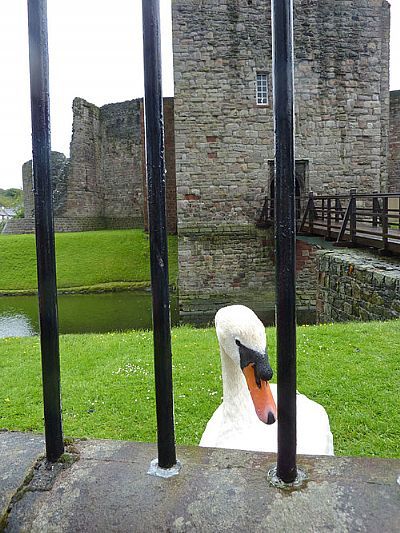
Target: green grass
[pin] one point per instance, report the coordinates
(104, 259)
(352, 369)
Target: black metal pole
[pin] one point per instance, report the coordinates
(45, 247)
(158, 233)
(285, 224)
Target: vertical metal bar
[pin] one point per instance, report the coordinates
(45, 246)
(285, 231)
(158, 233)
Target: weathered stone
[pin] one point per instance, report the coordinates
(109, 489)
(370, 290)
(342, 114)
(18, 454)
(103, 183)
(394, 142)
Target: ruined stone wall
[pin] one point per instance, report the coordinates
(224, 140)
(59, 176)
(102, 184)
(355, 285)
(27, 184)
(84, 196)
(394, 144)
(105, 179)
(121, 160)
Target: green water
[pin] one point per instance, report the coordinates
(82, 313)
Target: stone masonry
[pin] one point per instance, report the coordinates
(102, 184)
(356, 285)
(224, 140)
(394, 142)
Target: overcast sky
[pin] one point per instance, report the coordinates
(96, 53)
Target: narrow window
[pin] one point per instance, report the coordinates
(262, 88)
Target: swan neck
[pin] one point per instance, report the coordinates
(235, 391)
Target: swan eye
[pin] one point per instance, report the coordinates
(238, 342)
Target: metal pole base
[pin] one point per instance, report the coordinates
(157, 471)
(298, 483)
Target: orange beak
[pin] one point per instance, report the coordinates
(263, 400)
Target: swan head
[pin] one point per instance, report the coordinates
(241, 335)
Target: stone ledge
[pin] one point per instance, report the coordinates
(109, 489)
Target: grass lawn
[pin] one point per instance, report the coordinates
(352, 369)
(104, 259)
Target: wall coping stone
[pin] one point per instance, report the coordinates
(363, 260)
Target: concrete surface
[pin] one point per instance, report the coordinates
(18, 452)
(108, 489)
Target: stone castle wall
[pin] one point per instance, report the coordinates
(59, 172)
(102, 184)
(394, 142)
(224, 140)
(355, 285)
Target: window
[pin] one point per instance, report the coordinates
(262, 88)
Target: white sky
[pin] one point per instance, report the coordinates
(95, 53)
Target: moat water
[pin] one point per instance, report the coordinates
(105, 312)
(82, 313)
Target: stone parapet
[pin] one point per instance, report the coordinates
(355, 285)
(216, 490)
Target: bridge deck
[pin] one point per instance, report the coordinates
(366, 235)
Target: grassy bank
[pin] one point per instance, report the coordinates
(94, 260)
(353, 370)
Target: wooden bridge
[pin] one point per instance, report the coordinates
(369, 220)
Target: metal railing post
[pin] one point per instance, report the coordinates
(155, 165)
(385, 222)
(353, 215)
(375, 209)
(285, 232)
(44, 226)
(305, 215)
(329, 219)
(338, 209)
(311, 213)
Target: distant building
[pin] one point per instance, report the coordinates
(6, 213)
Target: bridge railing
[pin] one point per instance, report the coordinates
(348, 219)
(355, 219)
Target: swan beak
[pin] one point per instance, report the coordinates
(263, 400)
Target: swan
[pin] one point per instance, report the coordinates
(246, 418)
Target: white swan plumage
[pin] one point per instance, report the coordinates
(243, 421)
